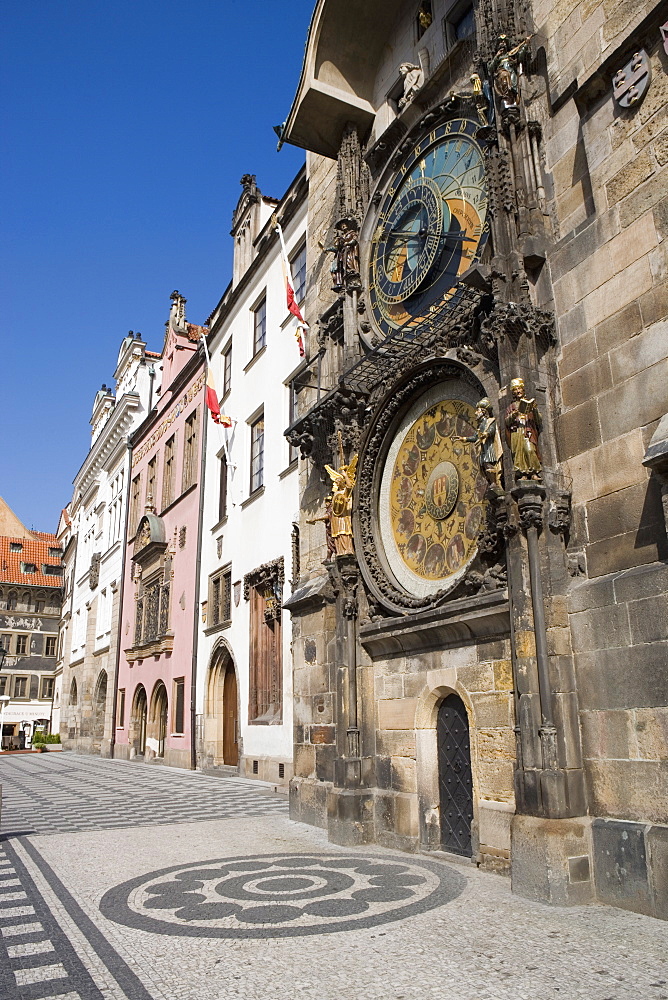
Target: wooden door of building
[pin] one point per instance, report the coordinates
(230, 718)
(454, 776)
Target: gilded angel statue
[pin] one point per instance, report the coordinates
(339, 507)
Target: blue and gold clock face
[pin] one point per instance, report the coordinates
(432, 226)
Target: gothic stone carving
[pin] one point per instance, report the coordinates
(269, 578)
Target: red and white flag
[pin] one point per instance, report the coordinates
(212, 401)
(302, 325)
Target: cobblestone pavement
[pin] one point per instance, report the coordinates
(142, 883)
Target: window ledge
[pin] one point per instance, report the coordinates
(290, 468)
(210, 629)
(255, 358)
(221, 524)
(253, 496)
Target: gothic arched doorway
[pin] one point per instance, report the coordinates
(159, 718)
(455, 780)
(138, 721)
(99, 708)
(221, 720)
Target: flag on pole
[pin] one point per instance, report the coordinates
(290, 293)
(212, 401)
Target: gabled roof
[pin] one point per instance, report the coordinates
(34, 549)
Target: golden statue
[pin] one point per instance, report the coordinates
(339, 507)
(487, 443)
(523, 425)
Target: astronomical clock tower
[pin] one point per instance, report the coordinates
(437, 703)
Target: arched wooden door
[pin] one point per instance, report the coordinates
(230, 718)
(139, 715)
(454, 776)
(161, 719)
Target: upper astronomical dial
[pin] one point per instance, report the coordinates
(410, 241)
(432, 225)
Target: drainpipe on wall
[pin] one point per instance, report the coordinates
(198, 566)
(121, 587)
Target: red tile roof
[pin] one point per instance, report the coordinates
(35, 550)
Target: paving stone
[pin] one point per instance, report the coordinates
(320, 923)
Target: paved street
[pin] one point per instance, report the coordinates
(122, 880)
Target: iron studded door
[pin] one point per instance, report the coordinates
(454, 776)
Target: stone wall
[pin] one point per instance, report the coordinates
(609, 270)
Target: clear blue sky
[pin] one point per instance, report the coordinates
(126, 128)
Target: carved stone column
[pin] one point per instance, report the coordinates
(349, 804)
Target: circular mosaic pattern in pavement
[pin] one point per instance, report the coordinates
(280, 895)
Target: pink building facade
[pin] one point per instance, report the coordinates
(158, 627)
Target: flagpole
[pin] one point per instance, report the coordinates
(301, 326)
(220, 426)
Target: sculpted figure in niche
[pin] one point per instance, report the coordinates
(487, 443)
(523, 425)
(505, 67)
(413, 80)
(339, 509)
(345, 247)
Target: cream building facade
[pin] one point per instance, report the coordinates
(91, 532)
(250, 509)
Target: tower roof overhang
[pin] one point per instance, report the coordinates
(343, 50)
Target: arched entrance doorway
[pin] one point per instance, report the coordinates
(454, 776)
(221, 719)
(159, 718)
(138, 721)
(99, 706)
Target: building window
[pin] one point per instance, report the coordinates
(28, 567)
(53, 570)
(151, 482)
(190, 452)
(50, 647)
(73, 692)
(459, 24)
(227, 369)
(16, 546)
(424, 17)
(20, 687)
(120, 709)
(40, 604)
(135, 504)
(21, 645)
(3, 685)
(220, 597)
(168, 470)
(55, 553)
(12, 601)
(4, 641)
(222, 488)
(257, 455)
(260, 326)
(48, 684)
(266, 668)
(179, 704)
(298, 268)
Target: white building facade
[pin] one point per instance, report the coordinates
(91, 531)
(250, 508)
